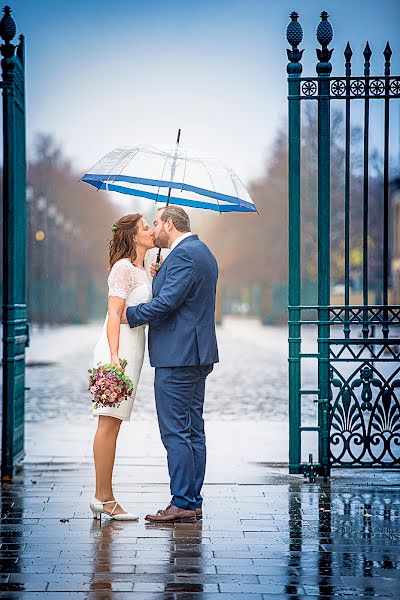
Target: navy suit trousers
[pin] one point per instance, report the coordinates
(179, 393)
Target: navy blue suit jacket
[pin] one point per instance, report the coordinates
(181, 315)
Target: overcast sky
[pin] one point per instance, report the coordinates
(102, 74)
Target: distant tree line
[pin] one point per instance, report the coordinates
(68, 228)
(252, 250)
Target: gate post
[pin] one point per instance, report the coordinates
(324, 68)
(294, 35)
(15, 333)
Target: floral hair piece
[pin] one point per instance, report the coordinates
(114, 227)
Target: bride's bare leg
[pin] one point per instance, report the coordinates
(104, 446)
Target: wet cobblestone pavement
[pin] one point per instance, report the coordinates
(285, 538)
(264, 534)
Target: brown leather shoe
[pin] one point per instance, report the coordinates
(173, 514)
(199, 513)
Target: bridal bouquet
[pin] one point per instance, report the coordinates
(109, 385)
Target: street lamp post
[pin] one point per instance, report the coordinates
(67, 254)
(59, 263)
(30, 228)
(52, 275)
(41, 238)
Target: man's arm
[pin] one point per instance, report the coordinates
(179, 280)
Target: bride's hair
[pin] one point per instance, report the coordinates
(122, 244)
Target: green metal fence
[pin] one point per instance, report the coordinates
(15, 327)
(357, 346)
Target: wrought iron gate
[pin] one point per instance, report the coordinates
(15, 328)
(357, 346)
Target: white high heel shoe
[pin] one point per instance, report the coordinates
(97, 507)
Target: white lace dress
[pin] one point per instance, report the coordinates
(132, 284)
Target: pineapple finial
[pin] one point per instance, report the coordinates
(324, 37)
(294, 35)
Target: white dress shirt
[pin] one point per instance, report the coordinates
(180, 238)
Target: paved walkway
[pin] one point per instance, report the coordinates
(265, 534)
(283, 538)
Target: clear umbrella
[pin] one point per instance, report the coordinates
(172, 176)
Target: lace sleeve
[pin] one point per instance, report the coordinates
(120, 281)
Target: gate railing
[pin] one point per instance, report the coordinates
(15, 327)
(357, 346)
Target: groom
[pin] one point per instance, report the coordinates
(183, 349)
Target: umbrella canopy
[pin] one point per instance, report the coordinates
(172, 176)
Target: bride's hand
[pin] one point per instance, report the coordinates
(154, 267)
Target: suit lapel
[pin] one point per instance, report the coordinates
(159, 279)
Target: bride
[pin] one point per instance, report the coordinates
(127, 283)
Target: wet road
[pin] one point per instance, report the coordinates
(250, 382)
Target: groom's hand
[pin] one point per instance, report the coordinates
(155, 267)
(124, 320)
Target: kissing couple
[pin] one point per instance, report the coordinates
(179, 307)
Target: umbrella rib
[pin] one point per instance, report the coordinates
(119, 173)
(162, 173)
(99, 161)
(242, 184)
(184, 170)
(212, 183)
(232, 175)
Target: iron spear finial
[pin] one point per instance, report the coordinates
(387, 53)
(348, 53)
(367, 56)
(367, 52)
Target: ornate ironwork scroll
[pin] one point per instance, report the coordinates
(365, 417)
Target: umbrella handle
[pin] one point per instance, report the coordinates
(158, 256)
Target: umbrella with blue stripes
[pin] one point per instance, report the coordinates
(171, 176)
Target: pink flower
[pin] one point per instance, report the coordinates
(108, 388)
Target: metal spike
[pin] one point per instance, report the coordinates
(367, 56)
(348, 53)
(387, 53)
(367, 52)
